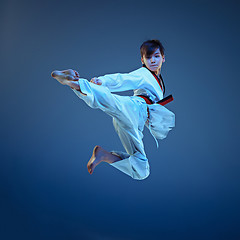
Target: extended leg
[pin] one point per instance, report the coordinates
(131, 114)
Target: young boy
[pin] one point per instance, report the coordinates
(129, 113)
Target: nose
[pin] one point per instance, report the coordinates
(152, 59)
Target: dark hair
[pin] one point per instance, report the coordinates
(149, 46)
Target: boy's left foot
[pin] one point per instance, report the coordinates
(65, 75)
(100, 155)
(95, 159)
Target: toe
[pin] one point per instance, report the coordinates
(76, 73)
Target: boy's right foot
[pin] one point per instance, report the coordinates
(65, 75)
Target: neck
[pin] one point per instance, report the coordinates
(158, 72)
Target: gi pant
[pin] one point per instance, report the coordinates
(129, 115)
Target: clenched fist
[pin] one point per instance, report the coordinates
(96, 81)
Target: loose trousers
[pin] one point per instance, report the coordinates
(129, 115)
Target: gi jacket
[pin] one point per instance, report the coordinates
(143, 82)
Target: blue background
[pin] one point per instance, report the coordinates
(47, 133)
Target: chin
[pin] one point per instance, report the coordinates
(154, 69)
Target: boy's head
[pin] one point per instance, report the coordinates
(148, 47)
(152, 55)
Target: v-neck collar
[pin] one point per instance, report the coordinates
(156, 77)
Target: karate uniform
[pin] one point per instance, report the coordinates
(130, 114)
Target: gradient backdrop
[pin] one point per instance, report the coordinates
(47, 133)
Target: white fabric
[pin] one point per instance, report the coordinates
(130, 115)
(141, 81)
(160, 121)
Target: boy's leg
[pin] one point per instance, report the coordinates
(126, 111)
(129, 128)
(130, 116)
(94, 95)
(135, 162)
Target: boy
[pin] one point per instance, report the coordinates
(129, 113)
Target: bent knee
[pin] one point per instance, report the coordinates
(141, 176)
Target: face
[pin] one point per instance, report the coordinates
(154, 62)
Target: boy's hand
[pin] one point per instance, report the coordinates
(96, 81)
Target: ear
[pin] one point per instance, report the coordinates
(142, 60)
(163, 58)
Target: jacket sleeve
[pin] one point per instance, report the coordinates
(119, 82)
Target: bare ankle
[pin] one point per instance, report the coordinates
(111, 158)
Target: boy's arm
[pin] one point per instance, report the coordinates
(116, 82)
(119, 81)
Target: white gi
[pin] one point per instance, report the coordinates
(130, 114)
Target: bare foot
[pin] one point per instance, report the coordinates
(65, 75)
(95, 159)
(100, 155)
